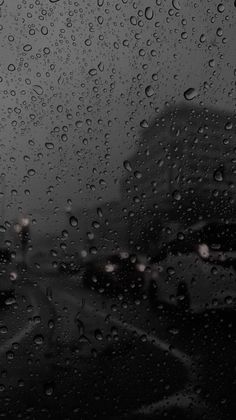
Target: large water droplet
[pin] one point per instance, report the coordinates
(176, 195)
(175, 4)
(27, 47)
(127, 166)
(144, 124)
(149, 13)
(73, 221)
(149, 91)
(38, 339)
(218, 176)
(190, 94)
(38, 89)
(98, 335)
(49, 145)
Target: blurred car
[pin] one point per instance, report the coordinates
(197, 271)
(117, 273)
(8, 273)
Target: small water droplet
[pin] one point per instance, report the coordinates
(49, 389)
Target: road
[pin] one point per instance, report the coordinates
(70, 353)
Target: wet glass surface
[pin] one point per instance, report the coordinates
(117, 210)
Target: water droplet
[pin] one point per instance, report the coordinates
(11, 67)
(49, 293)
(38, 89)
(228, 125)
(49, 389)
(3, 329)
(175, 4)
(38, 339)
(144, 124)
(27, 47)
(96, 225)
(221, 7)
(73, 221)
(149, 91)
(99, 212)
(190, 94)
(44, 30)
(149, 13)
(218, 176)
(49, 145)
(171, 271)
(92, 72)
(51, 324)
(10, 301)
(127, 166)
(98, 335)
(228, 300)
(31, 172)
(176, 195)
(137, 174)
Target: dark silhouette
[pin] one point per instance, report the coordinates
(24, 235)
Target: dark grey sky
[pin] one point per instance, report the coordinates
(74, 78)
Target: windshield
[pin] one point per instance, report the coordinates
(117, 209)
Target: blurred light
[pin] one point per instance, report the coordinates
(13, 276)
(25, 221)
(141, 267)
(203, 250)
(109, 268)
(17, 227)
(124, 255)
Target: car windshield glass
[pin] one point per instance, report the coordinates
(117, 209)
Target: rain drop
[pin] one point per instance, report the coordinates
(144, 124)
(27, 47)
(98, 335)
(127, 166)
(149, 91)
(49, 145)
(73, 221)
(38, 89)
(175, 4)
(190, 94)
(218, 176)
(38, 339)
(149, 13)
